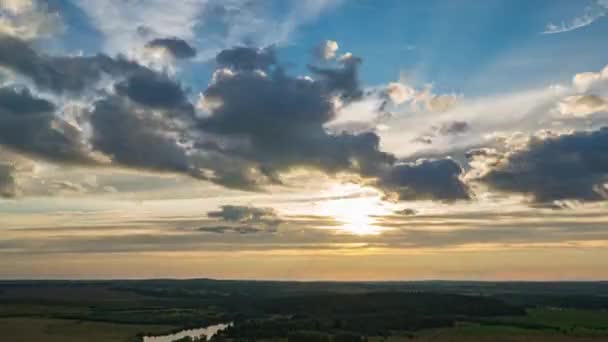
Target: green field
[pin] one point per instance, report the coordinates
(59, 330)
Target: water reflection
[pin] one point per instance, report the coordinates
(194, 333)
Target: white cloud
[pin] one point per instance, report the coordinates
(28, 19)
(210, 25)
(399, 92)
(127, 24)
(590, 94)
(583, 105)
(327, 50)
(592, 13)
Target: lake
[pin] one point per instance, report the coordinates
(207, 331)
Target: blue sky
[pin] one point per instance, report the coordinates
(470, 47)
(464, 46)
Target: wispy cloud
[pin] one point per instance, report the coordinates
(592, 13)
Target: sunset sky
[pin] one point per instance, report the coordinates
(304, 139)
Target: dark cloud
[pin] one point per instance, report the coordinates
(283, 118)
(570, 166)
(8, 184)
(262, 122)
(233, 230)
(454, 127)
(75, 74)
(178, 48)
(246, 58)
(343, 81)
(28, 125)
(407, 212)
(434, 179)
(135, 138)
(245, 214)
(155, 90)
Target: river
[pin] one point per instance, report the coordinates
(207, 331)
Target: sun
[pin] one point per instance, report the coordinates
(356, 209)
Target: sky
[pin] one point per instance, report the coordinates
(304, 140)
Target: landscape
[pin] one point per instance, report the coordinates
(141, 310)
(303, 170)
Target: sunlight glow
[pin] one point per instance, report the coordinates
(356, 210)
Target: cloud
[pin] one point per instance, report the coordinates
(8, 183)
(587, 81)
(261, 121)
(28, 125)
(406, 212)
(75, 74)
(178, 48)
(129, 25)
(282, 117)
(343, 80)
(155, 90)
(589, 95)
(594, 12)
(583, 105)
(454, 127)
(136, 138)
(249, 219)
(397, 93)
(327, 50)
(28, 19)
(232, 230)
(446, 129)
(554, 167)
(246, 58)
(434, 179)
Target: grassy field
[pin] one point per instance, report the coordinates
(539, 324)
(59, 330)
(566, 321)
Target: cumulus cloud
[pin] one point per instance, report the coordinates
(586, 81)
(282, 116)
(583, 105)
(155, 90)
(327, 50)
(73, 74)
(28, 125)
(343, 80)
(434, 179)
(552, 167)
(136, 138)
(246, 58)
(397, 93)
(28, 19)
(261, 121)
(589, 95)
(282, 119)
(177, 48)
